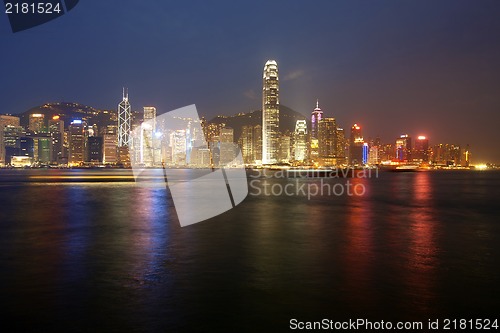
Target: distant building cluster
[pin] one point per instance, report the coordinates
(123, 137)
(322, 142)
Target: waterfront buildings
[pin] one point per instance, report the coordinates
(447, 155)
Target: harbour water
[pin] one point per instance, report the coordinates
(84, 250)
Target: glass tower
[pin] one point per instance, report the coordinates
(270, 113)
(124, 121)
(316, 116)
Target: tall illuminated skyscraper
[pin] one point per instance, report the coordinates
(56, 130)
(270, 113)
(148, 130)
(316, 116)
(124, 120)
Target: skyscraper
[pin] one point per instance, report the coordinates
(56, 130)
(285, 149)
(341, 146)
(42, 147)
(327, 141)
(95, 151)
(178, 147)
(316, 116)
(148, 130)
(447, 155)
(403, 148)
(246, 144)
(270, 113)
(124, 120)
(110, 144)
(366, 153)
(36, 123)
(466, 155)
(226, 146)
(300, 141)
(421, 150)
(6, 122)
(356, 145)
(77, 142)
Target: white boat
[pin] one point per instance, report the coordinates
(406, 168)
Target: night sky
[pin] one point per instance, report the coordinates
(418, 67)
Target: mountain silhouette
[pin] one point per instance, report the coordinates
(288, 118)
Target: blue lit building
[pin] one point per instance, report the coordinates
(366, 153)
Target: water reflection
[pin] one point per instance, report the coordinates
(422, 252)
(359, 251)
(113, 256)
(150, 235)
(31, 242)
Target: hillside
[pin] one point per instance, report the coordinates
(288, 118)
(69, 112)
(72, 111)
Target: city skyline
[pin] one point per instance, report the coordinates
(420, 68)
(287, 164)
(47, 141)
(125, 109)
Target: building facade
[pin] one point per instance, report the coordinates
(300, 141)
(270, 113)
